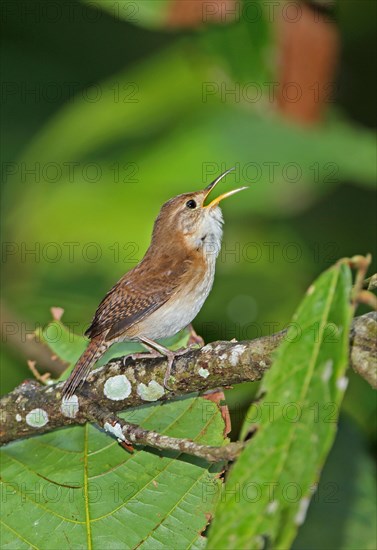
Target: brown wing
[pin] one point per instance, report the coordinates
(139, 292)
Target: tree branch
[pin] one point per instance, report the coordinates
(33, 409)
(363, 338)
(131, 433)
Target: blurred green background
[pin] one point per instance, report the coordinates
(111, 108)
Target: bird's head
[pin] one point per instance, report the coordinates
(187, 217)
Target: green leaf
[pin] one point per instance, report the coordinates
(80, 485)
(347, 494)
(63, 342)
(269, 488)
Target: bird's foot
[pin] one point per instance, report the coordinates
(171, 356)
(141, 355)
(158, 350)
(145, 355)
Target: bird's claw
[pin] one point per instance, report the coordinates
(171, 357)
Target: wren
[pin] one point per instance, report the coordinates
(166, 290)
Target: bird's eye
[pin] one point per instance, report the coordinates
(191, 204)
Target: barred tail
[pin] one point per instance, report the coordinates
(93, 352)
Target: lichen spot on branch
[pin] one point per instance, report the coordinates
(116, 430)
(152, 392)
(204, 373)
(36, 418)
(235, 354)
(70, 407)
(117, 387)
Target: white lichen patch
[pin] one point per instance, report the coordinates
(235, 354)
(70, 407)
(37, 418)
(327, 370)
(116, 430)
(152, 392)
(117, 387)
(272, 507)
(342, 383)
(302, 509)
(208, 347)
(204, 373)
(18, 417)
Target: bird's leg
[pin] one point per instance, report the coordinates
(168, 353)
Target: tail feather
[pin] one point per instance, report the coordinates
(93, 352)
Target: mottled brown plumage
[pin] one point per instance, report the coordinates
(166, 290)
(144, 289)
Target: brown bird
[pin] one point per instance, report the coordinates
(166, 290)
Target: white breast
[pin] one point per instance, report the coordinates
(184, 306)
(180, 310)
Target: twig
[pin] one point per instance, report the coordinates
(133, 434)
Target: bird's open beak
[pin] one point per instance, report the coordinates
(209, 188)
